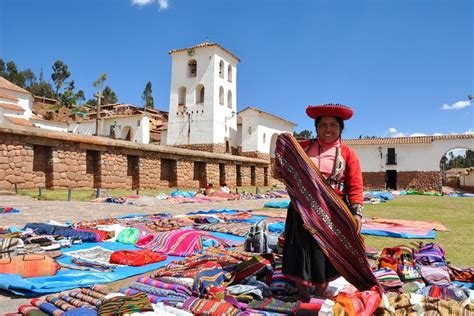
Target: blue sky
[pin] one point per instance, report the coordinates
(405, 66)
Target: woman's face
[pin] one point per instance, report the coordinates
(328, 129)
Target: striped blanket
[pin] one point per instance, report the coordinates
(324, 213)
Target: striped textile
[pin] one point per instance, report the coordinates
(160, 284)
(359, 303)
(86, 298)
(92, 293)
(65, 306)
(203, 307)
(274, 305)
(126, 305)
(74, 301)
(258, 264)
(435, 275)
(46, 307)
(435, 307)
(324, 213)
(388, 278)
(30, 310)
(183, 242)
(238, 229)
(210, 275)
(100, 289)
(157, 291)
(169, 300)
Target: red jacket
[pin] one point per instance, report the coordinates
(352, 176)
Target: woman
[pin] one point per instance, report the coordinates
(303, 257)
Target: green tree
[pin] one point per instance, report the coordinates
(68, 97)
(147, 97)
(60, 74)
(100, 81)
(3, 68)
(42, 88)
(108, 96)
(92, 102)
(13, 75)
(29, 77)
(80, 97)
(304, 134)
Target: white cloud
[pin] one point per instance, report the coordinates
(392, 132)
(417, 134)
(142, 3)
(456, 106)
(164, 4)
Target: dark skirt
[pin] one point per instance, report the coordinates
(303, 258)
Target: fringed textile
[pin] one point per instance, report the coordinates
(324, 213)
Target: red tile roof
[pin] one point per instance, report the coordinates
(204, 44)
(405, 140)
(19, 121)
(5, 84)
(13, 107)
(8, 96)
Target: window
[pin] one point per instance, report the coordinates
(221, 69)
(264, 138)
(229, 99)
(192, 68)
(200, 94)
(229, 73)
(182, 96)
(221, 95)
(391, 156)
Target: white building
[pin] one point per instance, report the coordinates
(406, 162)
(203, 106)
(16, 108)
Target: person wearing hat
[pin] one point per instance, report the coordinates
(303, 259)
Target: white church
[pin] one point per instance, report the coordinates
(203, 111)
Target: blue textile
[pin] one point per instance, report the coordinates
(69, 279)
(383, 196)
(47, 229)
(185, 194)
(277, 227)
(280, 204)
(383, 233)
(221, 211)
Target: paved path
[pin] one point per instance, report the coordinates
(32, 210)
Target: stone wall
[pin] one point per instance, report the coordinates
(255, 154)
(420, 180)
(32, 158)
(214, 148)
(373, 180)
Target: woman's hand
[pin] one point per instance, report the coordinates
(358, 219)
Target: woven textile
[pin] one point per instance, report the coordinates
(63, 305)
(324, 213)
(30, 310)
(46, 307)
(199, 306)
(183, 242)
(274, 305)
(258, 264)
(162, 285)
(238, 229)
(170, 300)
(126, 305)
(29, 266)
(359, 303)
(157, 291)
(74, 301)
(210, 275)
(86, 298)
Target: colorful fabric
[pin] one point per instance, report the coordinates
(258, 264)
(324, 214)
(359, 303)
(430, 254)
(183, 242)
(157, 291)
(128, 236)
(46, 307)
(74, 301)
(171, 300)
(199, 306)
(163, 285)
(94, 265)
(136, 258)
(100, 289)
(435, 307)
(8, 210)
(388, 278)
(95, 254)
(210, 275)
(63, 305)
(238, 229)
(93, 293)
(30, 310)
(29, 266)
(435, 275)
(86, 298)
(446, 292)
(274, 305)
(120, 305)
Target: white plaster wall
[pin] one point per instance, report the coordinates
(270, 126)
(25, 100)
(140, 132)
(410, 157)
(249, 130)
(50, 125)
(164, 137)
(201, 123)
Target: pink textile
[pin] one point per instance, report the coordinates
(326, 156)
(402, 226)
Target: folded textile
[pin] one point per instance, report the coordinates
(163, 285)
(149, 289)
(29, 266)
(30, 310)
(199, 306)
(47, 229)
(129, 304)
(274, 305)
(8, 210)
(136, 257)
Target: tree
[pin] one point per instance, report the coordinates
(304, 134)
(100, 81)
(108, 96)
(147, 98)
(92, 102)
(42, 88)
(60, 74)
(68, 97)
(13, 75)
(3, 68)
(80, 97)
(29, 77)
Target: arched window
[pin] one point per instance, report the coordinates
(221, 95)
(182, 96)
(229, 73)
(221, 69)
(229, 99)
(200, 94)
(192, 68)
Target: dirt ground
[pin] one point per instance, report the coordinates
(32, 210)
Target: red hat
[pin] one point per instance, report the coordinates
(336, 110)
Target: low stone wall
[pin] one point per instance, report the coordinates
(373, 180)
(214, 148)
(32, 158)
(414, 180)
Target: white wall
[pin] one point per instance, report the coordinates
(410, 157)
(140, 131)
(201, 123)
(249, 130)
(25, 100)
(51, 125)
